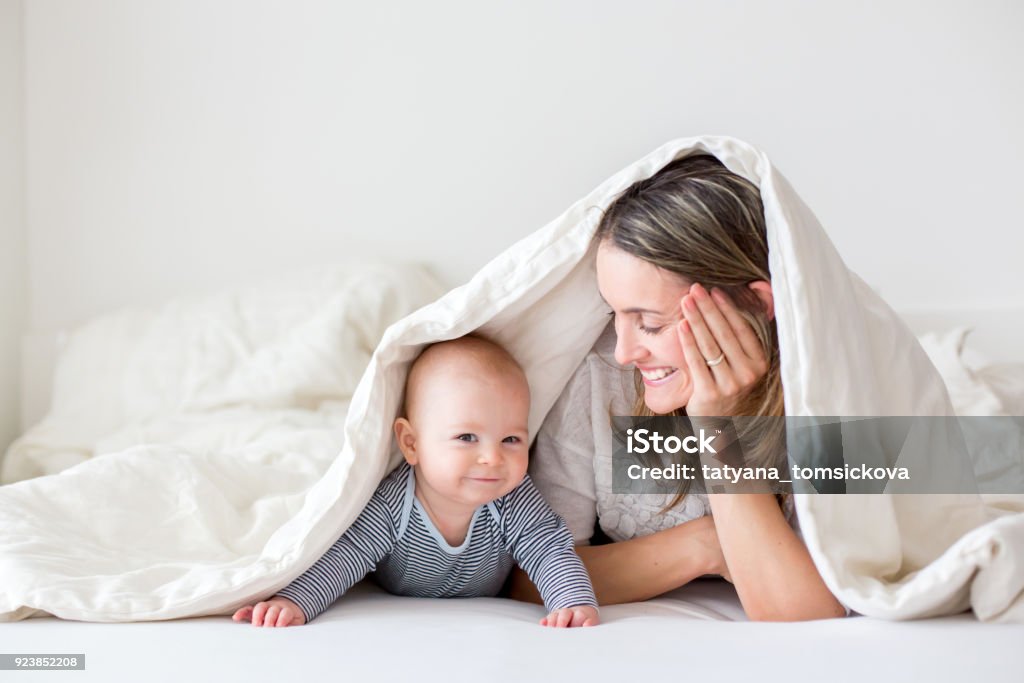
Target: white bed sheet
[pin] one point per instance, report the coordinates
(370, 635)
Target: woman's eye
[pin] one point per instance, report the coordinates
(651, 330)
(469, 438)
(512, 439)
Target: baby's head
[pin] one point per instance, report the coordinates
(464, 428)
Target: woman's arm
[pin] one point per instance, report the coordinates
(772, 570)
(770, 567)
(644, 567)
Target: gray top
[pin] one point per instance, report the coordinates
(571, 463)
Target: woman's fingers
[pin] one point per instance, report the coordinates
(707, 344)
(700, 373)
(741, 328)
(722, 329)
(717, 324)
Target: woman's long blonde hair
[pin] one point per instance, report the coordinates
(698, 220)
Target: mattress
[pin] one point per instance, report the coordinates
(698, 631)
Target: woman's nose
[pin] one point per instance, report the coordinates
(626, 348)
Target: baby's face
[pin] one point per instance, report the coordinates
(471, 434)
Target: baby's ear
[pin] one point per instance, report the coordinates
(406, 439)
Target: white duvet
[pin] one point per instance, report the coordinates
(232, 482)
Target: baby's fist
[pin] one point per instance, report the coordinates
(278, 611)
(581, 615)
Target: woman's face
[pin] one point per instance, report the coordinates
(646, 302)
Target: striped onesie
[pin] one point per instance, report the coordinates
(394, 538)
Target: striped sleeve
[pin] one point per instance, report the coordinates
(542, 546)
(354, 555)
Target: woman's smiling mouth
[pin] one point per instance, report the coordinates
(657, 376)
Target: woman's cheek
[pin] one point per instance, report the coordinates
(672, 397)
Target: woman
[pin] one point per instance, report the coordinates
(682, 261)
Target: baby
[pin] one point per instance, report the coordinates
(451, 520)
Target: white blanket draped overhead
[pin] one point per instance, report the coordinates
(844, 352)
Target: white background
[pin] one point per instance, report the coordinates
(156, 148)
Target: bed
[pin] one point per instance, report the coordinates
(696, 632)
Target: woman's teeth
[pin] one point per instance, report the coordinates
(655, 375)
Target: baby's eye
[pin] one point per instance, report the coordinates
(468, 438)
(511, 439)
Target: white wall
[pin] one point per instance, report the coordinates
(13, 254)
(178, 145)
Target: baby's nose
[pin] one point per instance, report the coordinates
(490, 454)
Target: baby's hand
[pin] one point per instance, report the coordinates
(581, 615)
(278, 611)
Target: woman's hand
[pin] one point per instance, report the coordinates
(722, 352)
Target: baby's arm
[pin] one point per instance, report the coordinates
(354, 555)
(542, 546)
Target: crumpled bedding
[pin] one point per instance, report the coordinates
(182, 439)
